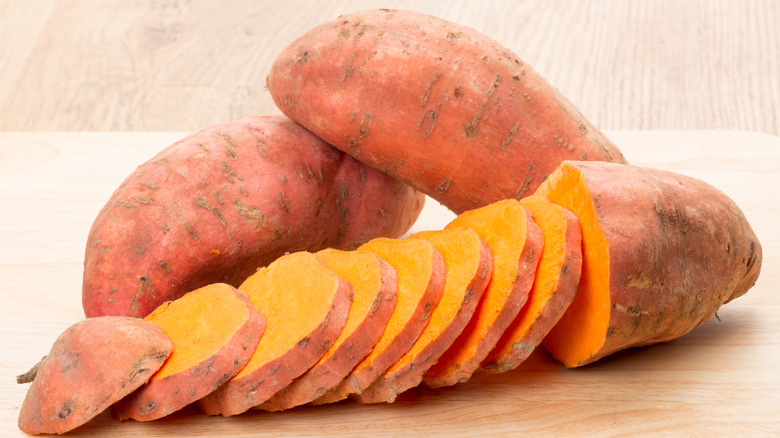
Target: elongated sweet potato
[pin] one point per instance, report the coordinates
(91, 365)
(306, 306)
(221, 203)
(215, 330)
(375, 291)
(661, 253)
(421, 275)
(516, 243)
(557, 278)
(433, 103)
(469, 263)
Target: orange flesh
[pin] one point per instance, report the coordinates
(582, 330)
(461, 249)
(501, 225)
(295, 293)
(413, 261)
(362, 271)
(199, 324)
(552, 220)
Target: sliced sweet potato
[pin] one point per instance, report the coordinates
(469, 264)
(433, 103)
(516, 243)
(661, 253)
(306, 307)
(217, 205)
(375, 293)
(421, 274)
(91, 365)
(557, 277)
(215, 330)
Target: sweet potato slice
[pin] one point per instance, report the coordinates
(375, 293)
(421, 274)
(436, 104)
(215, 330)
(91, 365)
(661, 253)
(516, 243)
(217, 205)
(306, 307)
(557, 277)
(469, 264)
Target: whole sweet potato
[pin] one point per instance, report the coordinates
(438, 105)
(219, 204)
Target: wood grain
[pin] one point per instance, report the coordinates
(721, 379)
(186, 64)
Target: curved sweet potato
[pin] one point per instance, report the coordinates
(215, 330)
(433, 103)
(516, 243)
(557, 277)
(306, 306)
(469, 263)
(375, 293)
(217, 205)
(421, 274)
(661, 253)
(91, 365)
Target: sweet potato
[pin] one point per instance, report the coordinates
(421, 275)
(306, 306)
(516, 243)
(215, 330)
(469, 263)
(433, 103)
(91, 365)
(221, 203)
(661, 253)
(557, 277)
(375, 291)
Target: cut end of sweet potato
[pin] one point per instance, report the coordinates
(306, 307)
(85, 372)
(516, 243)
(214, 331)
(557, 278)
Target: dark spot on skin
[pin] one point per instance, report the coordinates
(66, 410)
(194, 233)
(443, 186)
(149, 184)
(427, 123)
(147, 409)
(303, 342)
(509, 136)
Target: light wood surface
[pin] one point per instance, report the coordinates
(721, 379)
(677, 84)
(186, 64)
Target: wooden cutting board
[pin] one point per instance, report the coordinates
(721, 379)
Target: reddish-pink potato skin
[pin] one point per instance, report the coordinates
(219, 204)
(438, 105)
(91, 365)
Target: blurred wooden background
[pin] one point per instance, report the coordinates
(181, 65)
